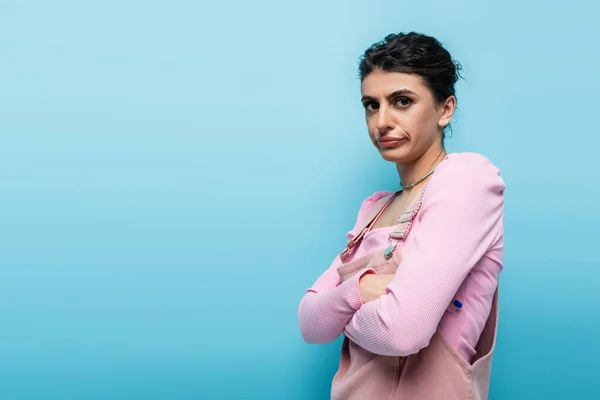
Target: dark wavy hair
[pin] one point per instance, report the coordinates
(417, 54)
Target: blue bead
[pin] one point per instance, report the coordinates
(457, 304)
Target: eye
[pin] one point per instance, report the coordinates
(371, 105)
(403, 101)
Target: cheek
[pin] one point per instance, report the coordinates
(372, 137)
(371, 128)
(421, 124)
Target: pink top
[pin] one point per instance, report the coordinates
(454, 249)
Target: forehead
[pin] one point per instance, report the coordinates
(383, 83)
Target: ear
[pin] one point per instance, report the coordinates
(447, 111)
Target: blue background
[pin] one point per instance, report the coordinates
(174, 175)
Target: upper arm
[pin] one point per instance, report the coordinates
(460, 220)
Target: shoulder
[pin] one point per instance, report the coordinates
(465, 183)
(470, 163)
(368, 203)
(367, 208)
(466, 192)
(467, 172)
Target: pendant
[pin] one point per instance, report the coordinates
(388, 252)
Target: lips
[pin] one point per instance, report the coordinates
(390, 139)
(390, 142)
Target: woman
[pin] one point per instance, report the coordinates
(415, 290)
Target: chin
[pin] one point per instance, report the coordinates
(400, 156)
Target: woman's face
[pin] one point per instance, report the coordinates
(403, 118)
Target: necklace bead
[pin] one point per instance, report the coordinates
(418, 181)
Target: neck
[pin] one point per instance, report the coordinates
(415, 170)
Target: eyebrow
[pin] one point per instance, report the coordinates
(391, 96)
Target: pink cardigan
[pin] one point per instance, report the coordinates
(455, 248)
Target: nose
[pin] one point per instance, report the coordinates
(384, 122)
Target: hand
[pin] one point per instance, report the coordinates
(372, 286)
